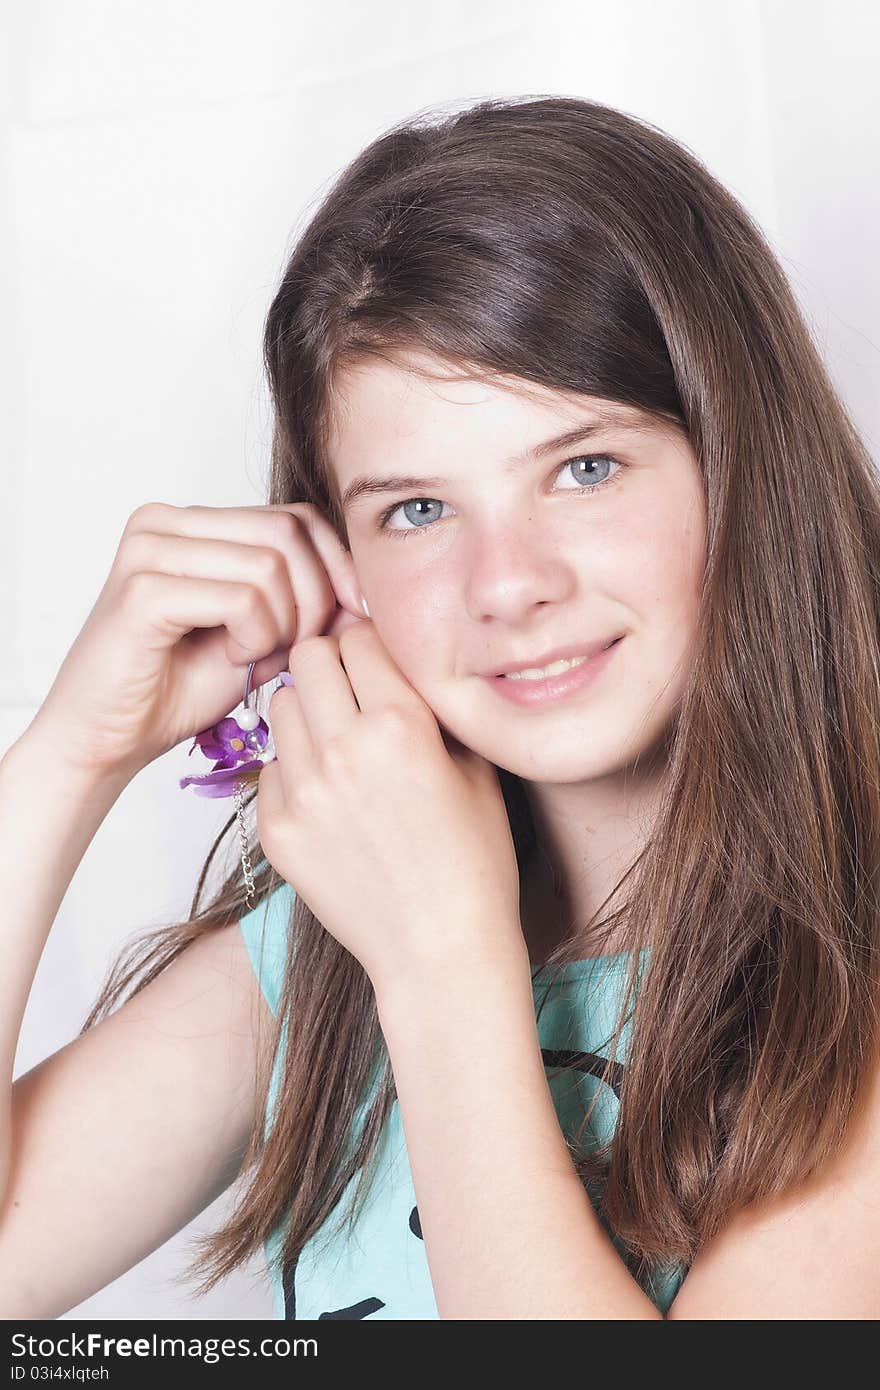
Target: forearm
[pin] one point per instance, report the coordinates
(49, 814)
(509, 1230)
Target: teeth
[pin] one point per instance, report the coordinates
(534, 673)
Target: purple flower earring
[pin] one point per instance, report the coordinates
(236, 742)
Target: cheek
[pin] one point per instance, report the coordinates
(658, 562)
(414, 625)
(413, 602)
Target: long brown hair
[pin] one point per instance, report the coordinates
(571, 245)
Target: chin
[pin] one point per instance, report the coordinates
(565, 767)
(562, 773)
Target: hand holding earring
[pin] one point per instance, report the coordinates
(237, 742)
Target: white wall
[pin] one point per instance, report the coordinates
(155, 163)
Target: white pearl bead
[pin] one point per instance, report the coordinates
(247, 719)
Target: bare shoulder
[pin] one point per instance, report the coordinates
(811, 1254)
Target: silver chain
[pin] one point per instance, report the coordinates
(250, 896)
(245, 857)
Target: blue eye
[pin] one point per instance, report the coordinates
(585, 483)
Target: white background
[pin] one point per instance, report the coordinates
(156, 162)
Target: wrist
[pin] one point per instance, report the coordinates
(407, 985)
(35, 760)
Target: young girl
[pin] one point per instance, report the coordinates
(550, 986)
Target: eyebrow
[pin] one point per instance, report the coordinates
(372, 486)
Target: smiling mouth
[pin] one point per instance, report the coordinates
(554, 664)
(543, 673)
(577, 675)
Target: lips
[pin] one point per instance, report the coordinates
(589, 650)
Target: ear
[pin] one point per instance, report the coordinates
(342, 619)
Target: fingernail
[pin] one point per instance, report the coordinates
(366, 609)
(284, 678)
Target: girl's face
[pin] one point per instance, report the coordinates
(471, 562)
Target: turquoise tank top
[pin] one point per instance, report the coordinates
(382, 1271)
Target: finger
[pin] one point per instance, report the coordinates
(259, 567)
(271, 799)
(286, 530)
(342, 620)
(337, 561)
(216, 645)
(375, 678)
(327, 700)
(159, 609)
(291, 735)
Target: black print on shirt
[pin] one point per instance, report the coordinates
(357, 1310)
(588, 1062)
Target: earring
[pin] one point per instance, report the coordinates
(236, 742)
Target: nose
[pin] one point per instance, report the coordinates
(512, 570)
